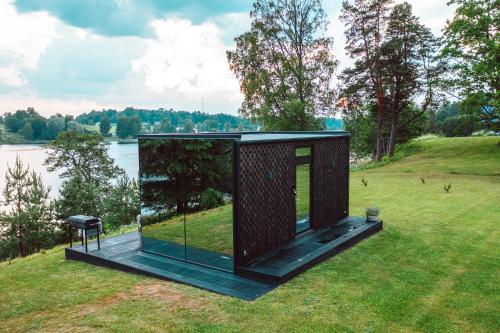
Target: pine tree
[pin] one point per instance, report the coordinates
(396, 62)
(123, 203)
(27, 222)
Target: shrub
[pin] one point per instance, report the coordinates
(462, 125)
(211, 198)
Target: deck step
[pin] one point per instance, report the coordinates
(303, 253)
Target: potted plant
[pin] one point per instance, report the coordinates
(372, 214)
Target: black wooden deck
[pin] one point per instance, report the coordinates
(287, 262)
(261, 276)
(193, 254)
(122, 252)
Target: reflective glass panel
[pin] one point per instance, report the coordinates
(302, 197)
(304, 151)
(186, 193)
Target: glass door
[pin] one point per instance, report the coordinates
(302, 188)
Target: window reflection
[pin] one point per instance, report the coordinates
(186, 194)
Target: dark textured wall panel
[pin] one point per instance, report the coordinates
(330, 181)
(267, 204)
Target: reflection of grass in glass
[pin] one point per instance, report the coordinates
(302, 199)
(171, 230)
(306, 151)
(210, 230)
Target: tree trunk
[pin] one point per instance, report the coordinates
(378, 153)
(179, 208)
(20, 239)
(380, 146)
(392, 140)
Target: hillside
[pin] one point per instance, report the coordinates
(434, 267)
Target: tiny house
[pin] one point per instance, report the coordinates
(234, 201)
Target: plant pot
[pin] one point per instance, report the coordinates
(372, 218)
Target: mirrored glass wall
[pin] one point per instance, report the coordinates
(186, 199)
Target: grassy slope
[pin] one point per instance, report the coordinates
(434, 267)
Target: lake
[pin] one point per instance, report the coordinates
(125, 156)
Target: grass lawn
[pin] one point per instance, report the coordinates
(434, 267)
(211, 230)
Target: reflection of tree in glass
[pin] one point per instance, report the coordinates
(175, 173)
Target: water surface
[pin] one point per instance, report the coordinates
(125, 155)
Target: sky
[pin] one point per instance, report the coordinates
(73, 56)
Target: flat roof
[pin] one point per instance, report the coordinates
(247, 137)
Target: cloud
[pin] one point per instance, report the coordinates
(84, 65)
(231, 25)
(11, 77)
(72, 56)
(51, 61)
(189, 66)
(50, 106)
(23, 39)
(433, 14)
(129, 17)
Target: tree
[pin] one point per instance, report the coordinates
(78, 196)
(73, 126)
(227, 126)
(460, 125)
(177, 172)
(39, 125)
(134, 126)
(285, 66)
(27, 223)
(410, 68)
(55, 125)
(472, 48)
(105, 125)
(86, 154)
(395, 63)
(128, 127)
(28, 123)
(210, 125)
(123, 127)
(123, 203)
(448, 110)
(359, 121)
(188, 126)
(166, 126)
(366, 21)
(27, 131)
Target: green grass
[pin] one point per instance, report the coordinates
(434, 267)
(303, 187)
(211, 230)
(470, 156)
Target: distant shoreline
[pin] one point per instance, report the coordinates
(42, 142)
